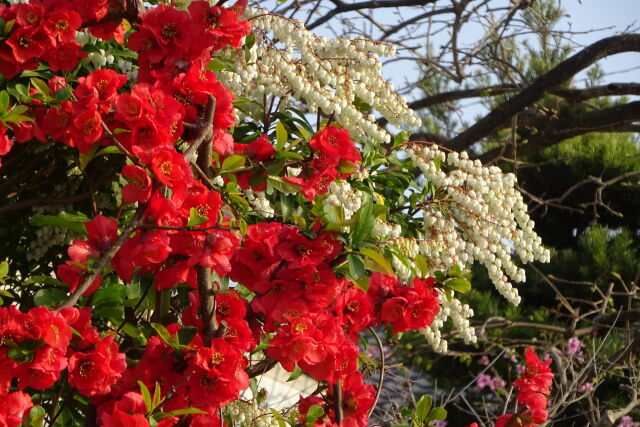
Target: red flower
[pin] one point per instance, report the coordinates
(28, 43)
(259, 150)
(5, 141)
(168, 166)
(218, 374)
(129, 411)
(537, 375)
(99, 89)
(139, 187)
(129, 107)
(28, 15)
(87, 129)
(64, 57)
(73, 275)
(411, 308)
(94, 372)
(13, 408)
(335, 143)
(63, 23)
(101, 233)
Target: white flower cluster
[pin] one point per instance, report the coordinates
(330, 75)
(384, 230)
(408, 247)
(126, 67)
(459, 314)
(244, 414)
(477, 214)
(341, 194)
(49, 236)
(259, 203)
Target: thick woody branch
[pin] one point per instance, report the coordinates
(613, 119)
(202, 146)
(553, 78)
(337, 395)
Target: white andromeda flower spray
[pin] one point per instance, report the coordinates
(330, 75)
(473, 213)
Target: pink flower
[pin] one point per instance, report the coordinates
(573, 346)
(627, 421)
(484, 360)
(588, 386)
(483, 381)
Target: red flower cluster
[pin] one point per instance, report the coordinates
(204, 377)
(46, 31)
(357, 399)
(533, 388)
(35, 347)
(168, 39)
(336, 157)
(315, 316)
(13, 408)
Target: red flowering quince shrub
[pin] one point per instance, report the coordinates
(211, 236)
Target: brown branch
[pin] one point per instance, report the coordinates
(415, 19)
(559, 74)
(382, 369)
(613, 119)
(262, 367)
(202, 144)
(337, 395)
(44, 201)
(204, 130)
(105, 259)
(342, 7)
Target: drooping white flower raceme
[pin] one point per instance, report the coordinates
(329, 75)
(477, 214)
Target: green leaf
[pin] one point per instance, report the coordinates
(279, 418)
(178, 412)
(281, 136)
(314, 413)
(165, 335)
(458, 285)
(110, 311)
(49, 297)
(304, 132)
(62, 94)
(41, 86)
(401, 138)
(71, 221)
(356, 266)
(113, 294)
(377, 261)
(286, 206)
(145, 395)
(4, 100)
(195, 219)
(347, 166)
(422, 265)
(362, 283)
(438, 414)
(233, 162)
(157, 399)
(186, 334)
(4, 270)
(85, 158)
(36, 416)
(365, 221)
(282, 186)
(423, 407)
(297, 373)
